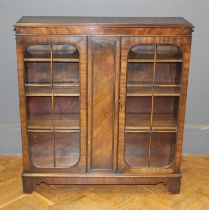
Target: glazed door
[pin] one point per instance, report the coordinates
(103, 91)
(52, 77)
(154, 73)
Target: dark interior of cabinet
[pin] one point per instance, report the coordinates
(149, 52)
(162, 149)
(37, 73)
(150, 150)
(137, 149)
(168, 51)
(41, 149)
(66, 112)
(58, 149)
(152, 101)
(66, 73)
(40, 73)
(67, 148)
(168, 74)
(140, 74)
(52, 86)
(142, 52)
(138, 112)
(39, 112)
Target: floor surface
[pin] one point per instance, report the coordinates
(194, 191)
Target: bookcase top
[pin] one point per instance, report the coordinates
(52, 21)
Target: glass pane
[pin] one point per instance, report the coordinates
(65, 52)
(165, 112)
(37, 70)
(143, 51)
(66, 65)
(168, 74)
(39, 112)
(139, 74)
(162, 151)
(41, 149)
(168, 51)
(37, 73)
(53, 91)
(66, 112)
(67, 149)
(138, 112)
(157, 94)
(137, 149)
(37, 53)
(66, 73)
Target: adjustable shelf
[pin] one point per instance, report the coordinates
(142, 122)
(137, 122)
(158, 60)
(55, 91)
(61, 122)
(66, 57)
(156, 91)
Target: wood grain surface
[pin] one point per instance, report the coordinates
(104, 128)
(194, 192)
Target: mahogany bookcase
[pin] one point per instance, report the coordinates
(102, 100)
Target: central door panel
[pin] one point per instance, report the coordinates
(103, 69)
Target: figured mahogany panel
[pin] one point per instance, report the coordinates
(103, 69)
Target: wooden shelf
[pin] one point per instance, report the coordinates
(39, 91)
(156, 91)
(67, 121)
(164, 122)
(164, 60)
(136, 60)
(167, 91)
(139, 84)
(167, 60)
(67, 84)
(66, 91)
(139, 91)
(61, 121)
(167, 85)
(139, 122)
(57, 90)
(150, 84)
(60, 84)
(45, 57)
